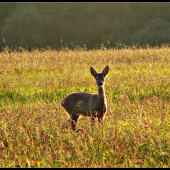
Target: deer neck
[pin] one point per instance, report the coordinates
(101, 94)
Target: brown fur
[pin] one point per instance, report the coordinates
(87, 104)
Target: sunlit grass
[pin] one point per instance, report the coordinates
(136, 128)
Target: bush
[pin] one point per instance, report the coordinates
(154, 32)
(24, 27)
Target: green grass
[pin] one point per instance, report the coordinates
(136, 128)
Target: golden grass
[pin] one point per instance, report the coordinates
(136, 128)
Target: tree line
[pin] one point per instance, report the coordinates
(69, 24)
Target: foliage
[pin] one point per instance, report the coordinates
(24, 27)
(153, 31)
(46, 24)
(136, 128)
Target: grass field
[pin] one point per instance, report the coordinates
(136, 128)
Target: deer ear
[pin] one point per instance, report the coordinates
(93, 71)
(105, 71)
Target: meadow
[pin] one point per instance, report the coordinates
(136, 128)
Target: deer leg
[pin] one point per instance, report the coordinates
(92, 123)
(101, 115)
(99, 119)
(92, 119)
(74, 119)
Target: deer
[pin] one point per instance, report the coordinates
(87, 104)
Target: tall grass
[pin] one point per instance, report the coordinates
(136, 128)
